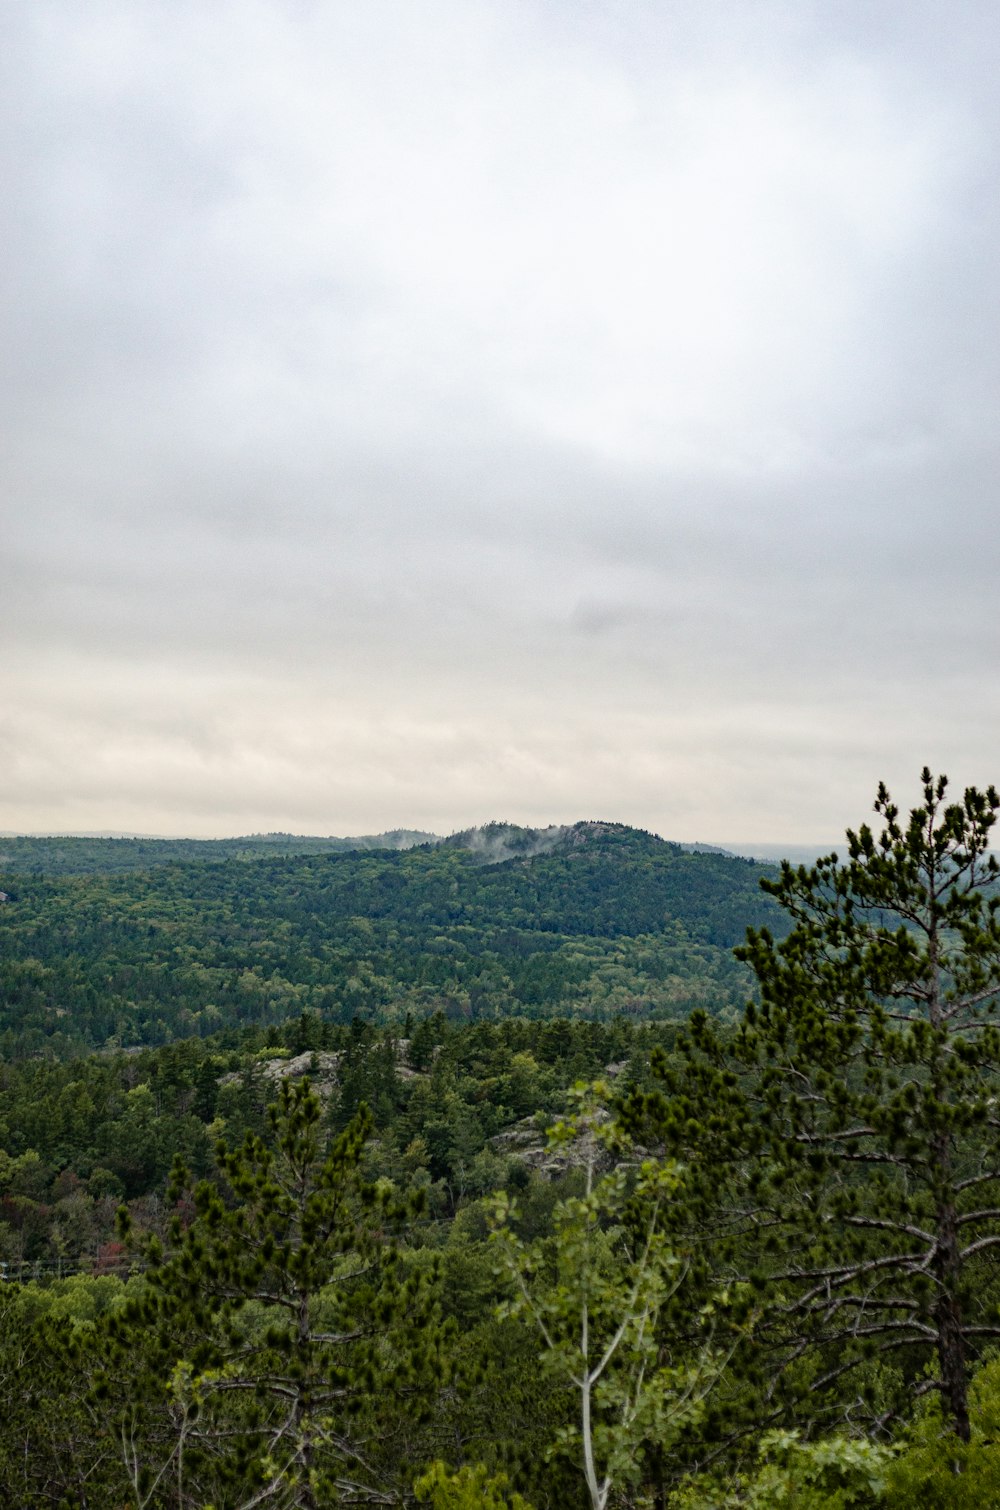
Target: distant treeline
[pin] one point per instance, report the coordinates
(72, 855)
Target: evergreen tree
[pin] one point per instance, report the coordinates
(51, 1454)
(288, 1342)
(848, 1133)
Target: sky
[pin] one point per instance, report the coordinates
(537, 410)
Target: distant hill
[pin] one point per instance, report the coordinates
(709, 849)
(91, 854)
(797, 854)
(490, 843)
(590, 919)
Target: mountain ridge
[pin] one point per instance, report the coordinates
(496, 842)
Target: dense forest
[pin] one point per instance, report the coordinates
(598, 1174)
(608, 920)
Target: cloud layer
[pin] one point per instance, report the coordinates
(416, 415)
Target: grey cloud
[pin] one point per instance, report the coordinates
(495, 407)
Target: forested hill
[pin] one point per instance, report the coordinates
(596, 920)
(88, 854)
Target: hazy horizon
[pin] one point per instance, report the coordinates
(763, 850)
(420, 412)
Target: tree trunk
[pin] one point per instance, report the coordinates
(948, 1314)
(303, 1422)
(947, 1258)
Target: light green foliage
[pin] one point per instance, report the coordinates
(468, 1489)
(595, 1292)
(75, 1140)
(831, 1161)
(935, 1470)
(79, 1300)
(927, 1468)
(834, 1473)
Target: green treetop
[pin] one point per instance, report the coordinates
(847, 1134)
(291, 1343)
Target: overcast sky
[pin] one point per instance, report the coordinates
(417, 414)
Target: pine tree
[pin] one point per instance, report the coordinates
(846, 1138)
(282, 1327)
(50, 1453)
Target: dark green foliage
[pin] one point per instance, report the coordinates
(311, 1315)
(68, 855)
(844, 1142)
(52, 1453)
(77, 1138)
(297, 1340)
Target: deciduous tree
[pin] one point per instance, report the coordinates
(596, 1292)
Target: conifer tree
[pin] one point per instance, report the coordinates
(50, 1453)
(846, 1138)
(287, 1340)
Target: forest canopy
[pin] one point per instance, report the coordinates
(552, 1210)
(609, 920)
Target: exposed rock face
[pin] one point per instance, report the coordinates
(528, 1142)
(321, 1067)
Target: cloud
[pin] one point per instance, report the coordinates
(524, 409)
